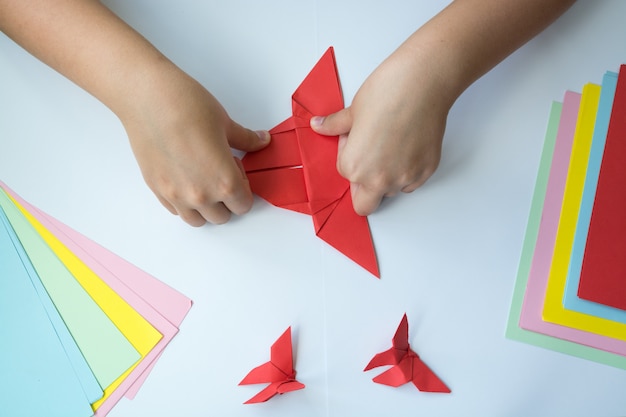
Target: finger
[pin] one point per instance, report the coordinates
(341, 145)
(364, 200)
(232, 195)
(245, 139)
(334, 124)
(192, 217)
(412, 187)
(239, 200)
(215, 214)
(409, 188)
(240, 166)
(167, 205)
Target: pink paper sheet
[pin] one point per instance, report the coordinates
(532, 307)
(164, 307)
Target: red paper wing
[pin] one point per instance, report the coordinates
(388, 357)
(268, 372)
(320, 92)
(265, 394)
(349, 233)
(282, 354)
(273, 389)
(397, 375)
(289, 386)
(425, 379)
(401, 338)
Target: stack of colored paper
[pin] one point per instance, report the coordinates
(79, 327)
(570, 293)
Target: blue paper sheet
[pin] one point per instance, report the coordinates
(90, 385)
(37, 379)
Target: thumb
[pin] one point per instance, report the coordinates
(245, 139)
(334, 124)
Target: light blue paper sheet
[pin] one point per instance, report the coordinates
(90, 385)
(37, 378)
(107, 351)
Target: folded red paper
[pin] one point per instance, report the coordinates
(406, 364)
(603, 274)
(298, 170)
(278, 372)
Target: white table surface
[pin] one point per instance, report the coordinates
(448, 253)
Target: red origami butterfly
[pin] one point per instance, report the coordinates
(406, 364)
(278, 372)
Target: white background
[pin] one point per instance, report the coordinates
(448, 253)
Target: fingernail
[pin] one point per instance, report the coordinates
(263, 135)
(317, 121)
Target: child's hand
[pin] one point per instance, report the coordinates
(391, 135)
(393, 131)
(181, 137)
(179, 133)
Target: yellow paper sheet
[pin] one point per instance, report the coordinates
(553, 310)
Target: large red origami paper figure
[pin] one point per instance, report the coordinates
(278, 372)
(298, 170)
(406, 365)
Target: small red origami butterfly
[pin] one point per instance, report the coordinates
(278, 372)
(406, 364)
